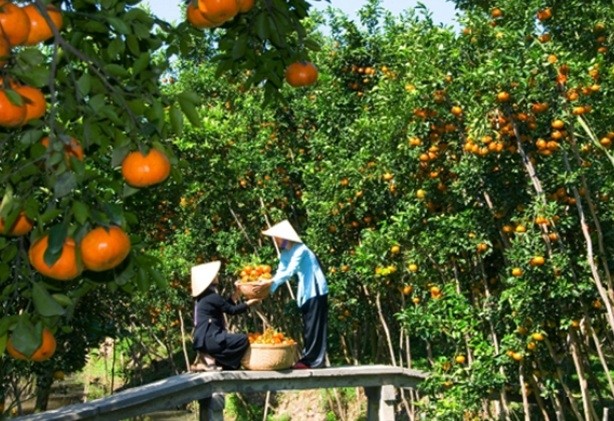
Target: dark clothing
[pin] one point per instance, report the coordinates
(210, 334)
(315, 314)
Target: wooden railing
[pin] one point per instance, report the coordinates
(379, 381)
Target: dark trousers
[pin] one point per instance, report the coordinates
(315, 321)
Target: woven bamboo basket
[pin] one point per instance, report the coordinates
(247, 289)
(264, 357)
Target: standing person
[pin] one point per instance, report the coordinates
(312, 292)
(216, 347)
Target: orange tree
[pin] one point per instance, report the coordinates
(456, 185)
(82, 116)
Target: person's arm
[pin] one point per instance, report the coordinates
(284, 272)
(228, 306)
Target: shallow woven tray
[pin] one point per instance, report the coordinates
(247, 289)
(264, 357)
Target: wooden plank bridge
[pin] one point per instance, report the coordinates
(379, 382)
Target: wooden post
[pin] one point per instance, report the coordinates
(606, 414)
(373, 400)
(212, 408)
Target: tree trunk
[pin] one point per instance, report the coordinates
(43, 390)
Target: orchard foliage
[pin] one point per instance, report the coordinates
(456, 184)
(76, 100)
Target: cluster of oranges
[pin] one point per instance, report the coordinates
(270, 336)
(22, 26)
(203, 14)
(254, 272)
(99, 250)
(212, 13)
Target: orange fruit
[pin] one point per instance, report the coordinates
(67, 267)
(34, 101)
(73, 148)
(245, 5)
(544, 14)
(537, 261)
(14, 23)
(21, 226)
(103, 249)
(517, 272)
(42, 353)
(218, 11)
(11, 115)
(460, 359)
(39, 29)
(482, 247)
(456, 110)
(5, 50)
(143, 170)
(537, 336)
(196, 18)
(301, 74)
(503, 96)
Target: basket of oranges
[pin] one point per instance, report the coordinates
(253, 276)
(269, 350)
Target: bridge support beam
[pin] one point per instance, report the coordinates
(380, 403)
(212, 408)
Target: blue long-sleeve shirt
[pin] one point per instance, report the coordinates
(301, 261)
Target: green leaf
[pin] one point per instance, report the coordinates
(26, 337)
(84, 83)
(189, 110)
(65, 184)
(239, 47)
(193, 97)
(159, 280)
(116, 70)
(97, 102)
(62, 299)
(176, 118)
(133, 45)
(141, 63)
(57, 235)
(45, 305)
(81, 211)
(119, 153)
(119, 25)
(115, 48)
(262, 26)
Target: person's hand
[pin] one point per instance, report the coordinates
(263, 286)
(253, 302)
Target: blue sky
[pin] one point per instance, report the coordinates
(442, 10)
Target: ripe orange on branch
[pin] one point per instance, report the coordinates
(197, 19)
(67, 267)
(34, 101)
(5, 51)
(302, 73)
(14, 23)
(143, 170)
(218, 11)
(245, 5)
(39, 28)
(42, 353)
(11, 114)
(103, 249)
(21, 226)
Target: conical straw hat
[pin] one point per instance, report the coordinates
(283, 230)
(203, 275)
